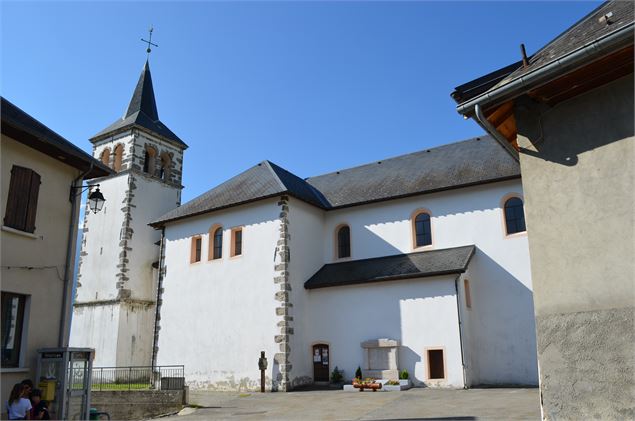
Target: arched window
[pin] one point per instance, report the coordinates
(422, 229)
(514, 215)
(118, 157)
(149, 160)
(216, 243)
(164, 173)
(105, 157)
(343, 242)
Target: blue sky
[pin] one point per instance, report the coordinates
(312, 86)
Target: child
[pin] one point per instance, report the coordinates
(18, 407)
(39, 411)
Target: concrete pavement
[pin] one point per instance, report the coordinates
(413, 404)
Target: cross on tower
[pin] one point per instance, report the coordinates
(149, 42)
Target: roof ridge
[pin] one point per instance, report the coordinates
(475, 138)
(270, 166)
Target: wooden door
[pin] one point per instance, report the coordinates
(320, 363)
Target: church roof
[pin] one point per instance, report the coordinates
(142, 112)
(392, 268)
(470, 162)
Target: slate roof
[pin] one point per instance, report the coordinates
(459, 164)
(142, 112)
(392, 268)
(263, 180)
(20, 126)
(583, 32)
(470, 162)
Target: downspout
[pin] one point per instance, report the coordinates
(458, 314)
(65, 319)
(157, 305)
(617, 39)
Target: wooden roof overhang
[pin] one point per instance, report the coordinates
(583, 79)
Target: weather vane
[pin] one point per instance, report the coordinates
(149, 42)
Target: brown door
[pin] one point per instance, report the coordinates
(320, 363)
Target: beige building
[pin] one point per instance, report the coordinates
(39, 230)
(566, 113)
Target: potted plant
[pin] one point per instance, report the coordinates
(366, 384)
(404, 377)
(337, 376)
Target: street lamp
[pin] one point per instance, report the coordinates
(96, 201)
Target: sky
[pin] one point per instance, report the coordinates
(311, 86)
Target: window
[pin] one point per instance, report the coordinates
(118, 157)
(423, 230)
(514, 215)
(12, 324)
(105, 157)
(195, 253)
(237, 242)
(165, 166)
(436, 364)
(24, 189)
(343, 242)
(149, 160)
(468, 295)
(216, 247)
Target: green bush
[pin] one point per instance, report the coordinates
(404, 374)
(337, 376)
(358, 372)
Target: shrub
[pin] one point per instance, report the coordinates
(358, 372)
(393, 382)
(336, 375)
(404, 374)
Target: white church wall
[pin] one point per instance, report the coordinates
(152, 198)
(100, 251)
(218, 315)
(504, 324)
(136, 333)
(306, 230)
(419, 313)
(97, 327)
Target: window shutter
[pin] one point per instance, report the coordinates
(17, 201)
(31, 209)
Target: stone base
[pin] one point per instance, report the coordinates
(381, 374)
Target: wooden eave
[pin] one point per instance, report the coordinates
(600, 72)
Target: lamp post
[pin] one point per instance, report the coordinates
(95, 199)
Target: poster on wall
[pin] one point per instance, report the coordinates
(325, 356)
(316, 355)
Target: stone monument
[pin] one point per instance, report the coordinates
(380, 359)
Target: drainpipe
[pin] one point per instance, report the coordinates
(157, 305)
(65, 319)
(458, 314)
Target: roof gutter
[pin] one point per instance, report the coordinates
(617, 39)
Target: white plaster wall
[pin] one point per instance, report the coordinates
(306, 225)
(100, 253)
(97, 327)
(218, 315)
(152, 198)
(503, 350)
(136, 333)
(420, 313)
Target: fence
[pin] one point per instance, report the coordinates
(167, 377)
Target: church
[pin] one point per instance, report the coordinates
(417, 262)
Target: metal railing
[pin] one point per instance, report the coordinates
(167, 377)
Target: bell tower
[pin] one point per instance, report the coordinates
(115, 302)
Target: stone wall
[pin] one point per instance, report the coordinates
(137, 404)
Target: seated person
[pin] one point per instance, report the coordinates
(39, 410)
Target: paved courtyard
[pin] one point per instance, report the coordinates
(414, 404)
